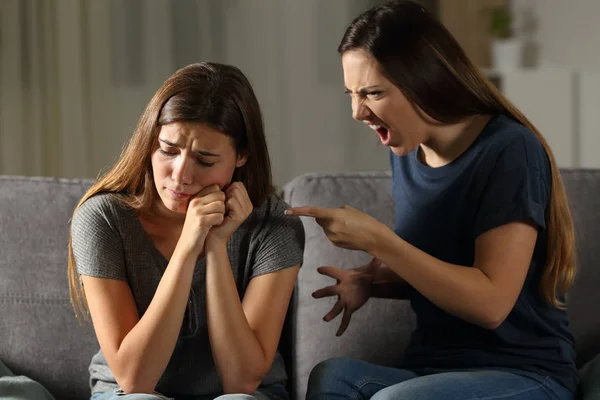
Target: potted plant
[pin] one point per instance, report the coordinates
(506, 47)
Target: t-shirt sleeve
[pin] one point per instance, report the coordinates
(280, 240)
(517, 189)
(97, 245)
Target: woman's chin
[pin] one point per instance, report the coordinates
(179, 210)
(177, 207)
(400, 150)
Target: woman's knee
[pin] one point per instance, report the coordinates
(331, 369)
(414, 389)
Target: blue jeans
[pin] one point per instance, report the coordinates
(345, 378)
(270, 392)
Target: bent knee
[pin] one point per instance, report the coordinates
(332, 368)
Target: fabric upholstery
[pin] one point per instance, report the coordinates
(590, 379)
(583, 191)
(40, 338)
(39, 335)
(380, 330)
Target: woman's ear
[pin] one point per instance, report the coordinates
(242, 157)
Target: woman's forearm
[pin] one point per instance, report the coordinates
(145, 351)
(462, 291)
(239, 358)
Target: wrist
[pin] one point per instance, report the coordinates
(365, 273)
(187, 252)
(215, 243)
(382, 240)
(216, 253)
(376, 238)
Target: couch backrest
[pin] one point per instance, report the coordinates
(40, 338)
(583, 191)
(39, 335)
(380, 331)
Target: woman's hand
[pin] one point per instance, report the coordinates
(346, 227)
(238, 207)
(205, 210)
(353, 289)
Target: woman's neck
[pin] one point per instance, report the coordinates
(447, 142)
(160, 215)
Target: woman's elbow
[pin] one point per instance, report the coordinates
(491, 324)
(131, 386)
(492, 319)
(244, 382)
(241, 387)
(133, 382)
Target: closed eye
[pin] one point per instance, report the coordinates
(173, 154)
(167, 153)
(205, 164)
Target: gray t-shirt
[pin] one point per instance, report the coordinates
(109, 242)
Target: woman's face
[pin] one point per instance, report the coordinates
(380, 104)
(188, 157)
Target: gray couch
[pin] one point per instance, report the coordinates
(40, 338)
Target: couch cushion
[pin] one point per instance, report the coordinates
(40, 335)
(583, 191)
(380, 330)
(590, 379)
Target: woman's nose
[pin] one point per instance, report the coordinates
(182, 174)
(359, 110)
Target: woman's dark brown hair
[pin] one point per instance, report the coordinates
(416, 52)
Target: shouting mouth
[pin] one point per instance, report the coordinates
(384, 133)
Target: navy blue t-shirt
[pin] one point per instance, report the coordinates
(504, 176)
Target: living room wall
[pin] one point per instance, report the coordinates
(76, 74)
(564, 40)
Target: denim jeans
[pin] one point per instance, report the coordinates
(345, 378)
(271, 392)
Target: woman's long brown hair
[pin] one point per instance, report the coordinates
(210, 93)
(425, 61)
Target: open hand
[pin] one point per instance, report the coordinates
(353, 289)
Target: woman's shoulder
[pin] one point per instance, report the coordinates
(102, 206)
(270, 216)
(507, 141)
(278, 239)
(97, 237)
(504, 132)
(273, 206)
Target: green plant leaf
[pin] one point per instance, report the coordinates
(500, 22)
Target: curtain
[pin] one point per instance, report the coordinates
(75, 75)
